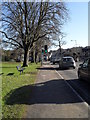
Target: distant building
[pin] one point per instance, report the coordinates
(78, 53)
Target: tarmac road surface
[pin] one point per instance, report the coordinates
(52, 97)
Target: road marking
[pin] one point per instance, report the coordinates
(72, 88)
(59, 74)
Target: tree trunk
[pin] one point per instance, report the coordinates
(34, 55)
(26, 56)
(60, 51)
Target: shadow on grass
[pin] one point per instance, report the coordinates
(7, 67)
(50, 92)
(1, 73)
(33, 73)
(10, 74)
(19, 96)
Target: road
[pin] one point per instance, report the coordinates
(81, 87)
(54, 95)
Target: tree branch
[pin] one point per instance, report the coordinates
(11, 39)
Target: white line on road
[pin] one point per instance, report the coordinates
(59, 74)
(72, 88)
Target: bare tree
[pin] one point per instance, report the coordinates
(24, 23)
(39, 45)
(61, 43)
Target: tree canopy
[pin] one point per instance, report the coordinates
(24, 23)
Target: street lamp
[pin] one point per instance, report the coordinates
(75, 44)
(76, 49)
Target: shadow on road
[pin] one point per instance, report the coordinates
(50, 92)
(53, 68)
(82, 87)
(46, 68)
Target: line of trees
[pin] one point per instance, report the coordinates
(25, 23)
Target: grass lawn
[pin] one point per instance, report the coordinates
(16, 89)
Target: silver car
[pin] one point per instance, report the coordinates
(67, 62)
(84, 70)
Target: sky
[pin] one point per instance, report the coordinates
(76, 28)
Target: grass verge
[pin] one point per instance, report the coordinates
(16, 89)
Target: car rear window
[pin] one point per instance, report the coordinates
(67, 59)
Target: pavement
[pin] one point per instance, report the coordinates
(53, 98)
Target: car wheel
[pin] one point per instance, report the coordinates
(73, 67)
(60, 67)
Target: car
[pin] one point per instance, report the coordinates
(55, 60)
(67, 62)
(84, 70)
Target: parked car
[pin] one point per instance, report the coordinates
(84, 70)
(55, 60)
(67, 62)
